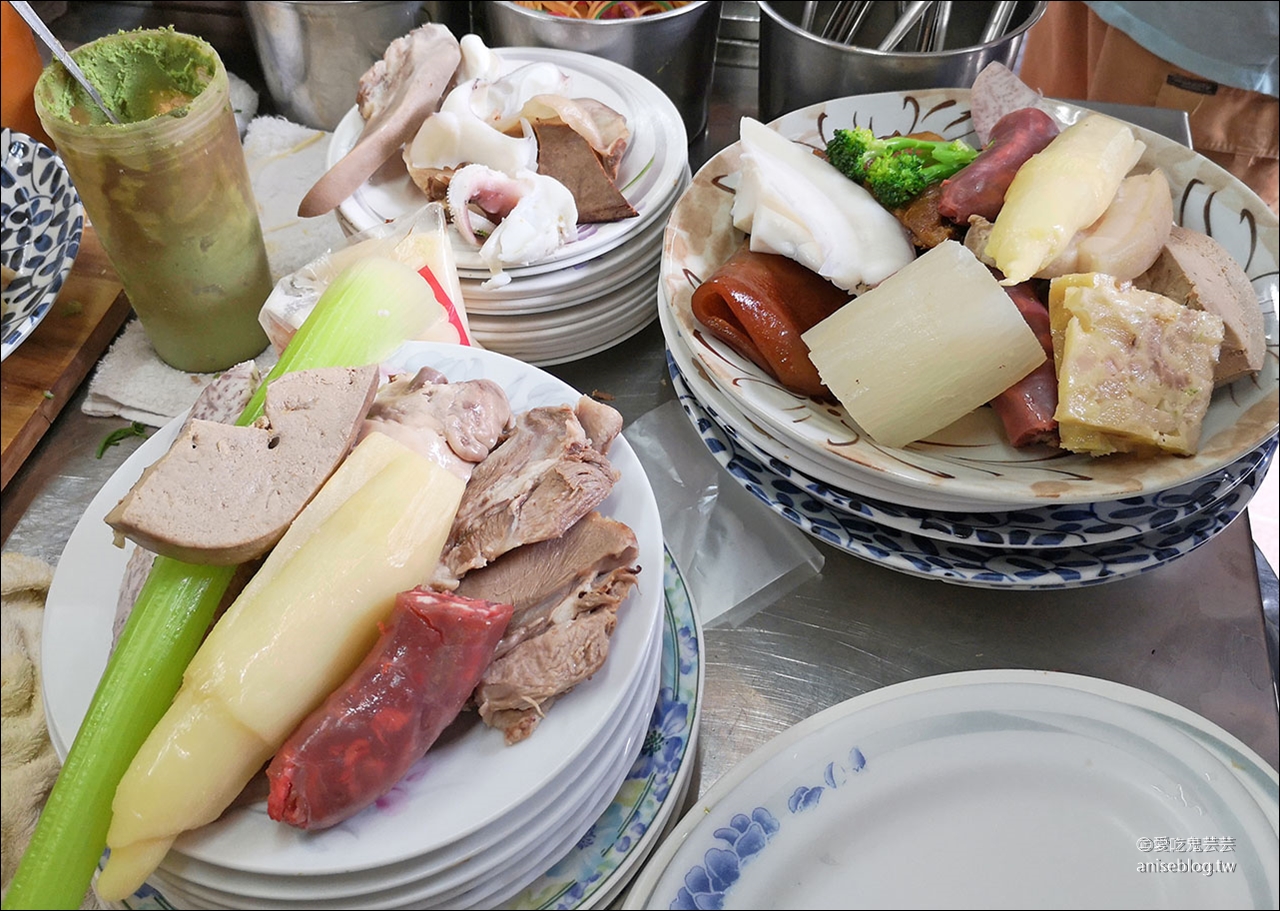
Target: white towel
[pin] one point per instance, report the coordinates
(29, 766)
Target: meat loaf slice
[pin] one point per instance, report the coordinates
(223, 495)
(1194, 270)
(534, 486)
(222, 400)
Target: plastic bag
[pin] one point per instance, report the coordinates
(736, 556)
(418, 239)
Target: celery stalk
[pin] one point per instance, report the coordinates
(168, 623)
(367, 312)
(372, 307)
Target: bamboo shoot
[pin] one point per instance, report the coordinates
(295, 632)
(925, 347)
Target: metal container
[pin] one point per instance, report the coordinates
(799, 67)
(675, 50)
(313, 54)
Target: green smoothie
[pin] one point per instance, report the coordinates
(167, 190)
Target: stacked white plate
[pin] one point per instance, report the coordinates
(593, 292)
(475, 823)
(984, 789)
(963, 506)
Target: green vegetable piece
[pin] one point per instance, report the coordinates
(135, 429)
(896, 169)
(364, 315)
(166, 627)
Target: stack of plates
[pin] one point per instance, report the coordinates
(593, 292)
(562, 819)
(963, 506)
(984, 789)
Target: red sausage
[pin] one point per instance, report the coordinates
(759, 304)
(387, 714)
(979, 189)
(1026, 408)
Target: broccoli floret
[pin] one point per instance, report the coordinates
(896, 169)
(847, 152)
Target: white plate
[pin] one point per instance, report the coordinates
(509, 860)
(456, 864)
(41, 220)
(582, 320)
(577, 345)
(602, 862)
(574, 285)
(1033, 527)
(467, 783)
(971, 460)
(648, 176)
(1010, 789)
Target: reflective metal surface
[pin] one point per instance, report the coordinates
(1191, 631)
(674, 50)
(798, 67)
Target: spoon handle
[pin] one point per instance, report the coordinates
(29, 15)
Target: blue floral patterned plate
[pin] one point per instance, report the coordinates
(999, 788)
(1065, 525)
(42, 222)
(611, 852)
(963, 563)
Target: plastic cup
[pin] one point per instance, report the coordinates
(167, 190)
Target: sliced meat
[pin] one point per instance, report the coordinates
(224, 494)
(565, 155)
(601, 422)
(517, 689)
(591, 566)
(453, 424)
(1027, 407)
(534, 486)
(1194, 270)
(921, 217)
(399, 92)
(979, 188)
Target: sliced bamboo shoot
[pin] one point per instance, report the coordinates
(925, 347)
(296, 631)
(1058, 192)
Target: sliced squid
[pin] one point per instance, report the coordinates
(455, 136)
(499, 102)
(527, 216)
(796, 205)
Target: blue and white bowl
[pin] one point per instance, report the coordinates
(42, 223)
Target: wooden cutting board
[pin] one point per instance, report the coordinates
(40, 377)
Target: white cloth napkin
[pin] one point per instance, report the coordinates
(30, 764)
(284, 160)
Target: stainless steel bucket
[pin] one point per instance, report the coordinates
(674, 50)
(799, 68)
(313, 54)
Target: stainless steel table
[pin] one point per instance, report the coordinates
(1191, 631)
